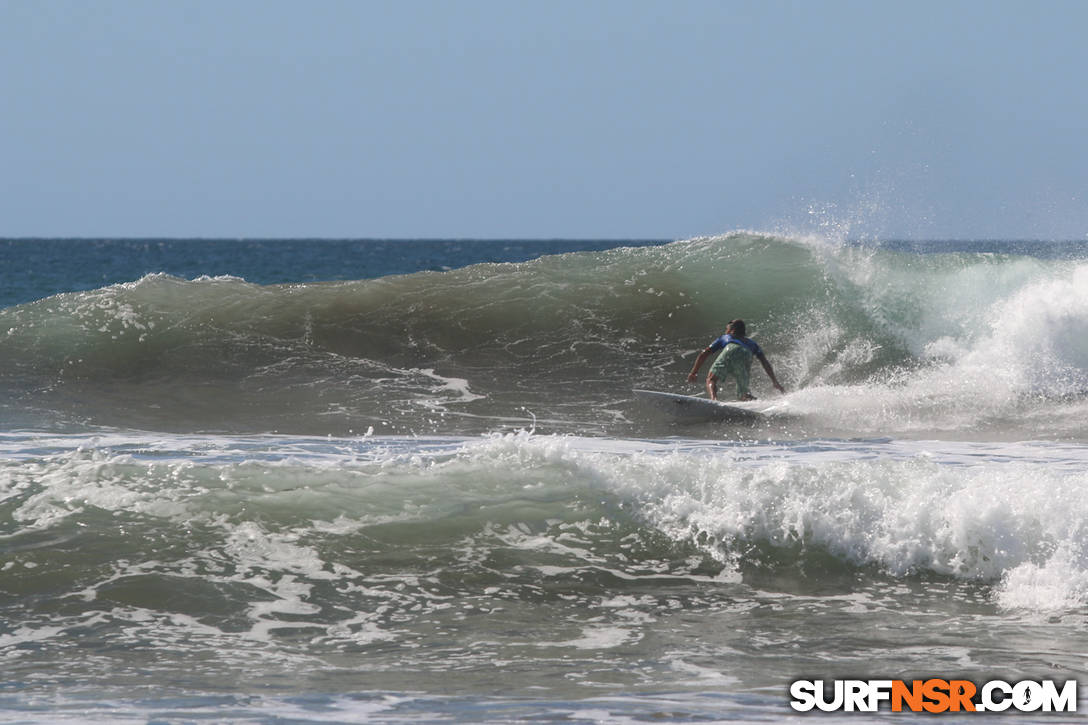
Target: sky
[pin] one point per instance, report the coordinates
(602, 119)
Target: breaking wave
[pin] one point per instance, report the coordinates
(867, 340)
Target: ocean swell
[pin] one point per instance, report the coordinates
(867, 340)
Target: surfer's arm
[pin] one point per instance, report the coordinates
(770, 372)
(698, 364)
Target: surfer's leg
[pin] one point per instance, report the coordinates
(740, 372)
(716, 372)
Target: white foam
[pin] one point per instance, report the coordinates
(601, 638)
(1010, 513)
(458, 386)
(973, 511)
(1059, 582)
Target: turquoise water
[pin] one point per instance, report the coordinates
(236, 486)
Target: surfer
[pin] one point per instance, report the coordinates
(735, 361)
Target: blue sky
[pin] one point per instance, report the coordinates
(565, 118)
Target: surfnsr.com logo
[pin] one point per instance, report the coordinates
(933, 695)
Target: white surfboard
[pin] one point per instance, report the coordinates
(689, 408)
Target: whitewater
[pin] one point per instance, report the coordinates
(321, 481)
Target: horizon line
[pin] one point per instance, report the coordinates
(138, 238)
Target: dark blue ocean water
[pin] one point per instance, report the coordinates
(37, 268)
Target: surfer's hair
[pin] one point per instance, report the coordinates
(738, 327)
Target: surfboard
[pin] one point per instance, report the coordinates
(689, 408)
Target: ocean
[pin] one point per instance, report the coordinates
(315, 481)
